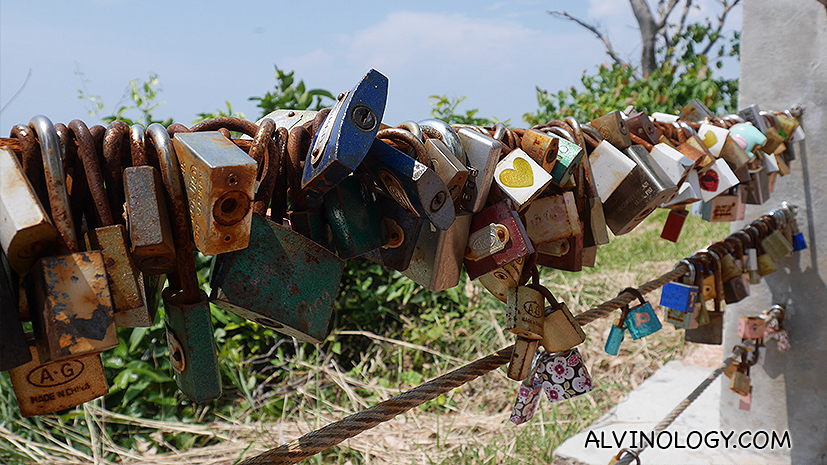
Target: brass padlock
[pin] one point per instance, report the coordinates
(723, 208)
(189, 329)
(150, 233)
(560, 330)
(552, 218)
(220, 179)
(740, 383)
(46, 387)
(524, 312)
(541, 147)
(26, 232)
(125, 280)
(68, 295)
(612, 127)
(519, 367)
(640, 125)
(776, 245)
(500, 280)
(766, 265)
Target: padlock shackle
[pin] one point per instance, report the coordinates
(412, 127)
(715, 261)
(576, 132)
(408, 138)
(171, 175)
(440, 129)
(137, 145)
(547, 294)
(635, 292)
(50, 152)
(268, 143)
(744, 238)
(691, 271)
(91, 167)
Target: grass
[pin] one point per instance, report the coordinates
(468, 425)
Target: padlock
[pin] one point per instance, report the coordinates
(730, 370)
(757, 188)
(519, 178)
(68, 295)
(524, 311)
(798, 241)
(752, 115)
(696, 111)
(346, 135)
(46, 387)
(609, 168)
(734, 288)
(615, 337)
(483, 153)
(442, 131)
(147, 219)
(674, 224)
(617, 458)
(679, 319)
(220, 181)
(563, 254)
(400, 231)
(700, 316)
(673, 163)
(496, 237)
(722, 208)
(436, 263)
(528, 396)
(747, 136)
(552, 218)
(711, 333)
(641, 320)
(749, 238)
(189, 330)
(713, 283)
(693, 146)
(750, 327)
(289, 119)
(498, 282)
(776, 245)
(563, 375)
(412, 184)
(765, 263)
(639, 194)
(589, 208)
(612, 127)
(740, 382)
(519, 367)
(353, 217)
(26, 232)
(569, 157)
(689, 192)
(640, 125)
(679, 296)
(125, 280)
(14, 350)
(541, 147)
(283, 279)
(451, 170)
(735, 156)
(560, 330)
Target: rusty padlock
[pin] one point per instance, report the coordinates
(69, 296)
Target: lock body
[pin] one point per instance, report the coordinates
(722, 209)
(26, 232)
(413, 185)
(751, 328)
(711, 333)
(561, 331)
(436, 263)
(563, 375)
(524, 312)
(46, 387)
(640, 125)
(679, 319)
(496, 237)
(740, 383)
(219, 179)
(520, 179)
(71, 306)
(400, 231)
(354, 218)
(519, 367)
(642, 321)
(498, 282)
(448, 167)
(282, 280)
(552, 218)
(192, 348)
(483, 153)
(569, 157)
(541, 147)
(345, 136)
(613, 129)
(679, 296)
(615, 339)
(126, 285)
(150, 233)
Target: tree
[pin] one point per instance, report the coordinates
(672, 74)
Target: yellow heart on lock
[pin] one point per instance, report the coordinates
(520, 176)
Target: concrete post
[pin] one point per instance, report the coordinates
(784, 64)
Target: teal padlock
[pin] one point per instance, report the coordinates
(641, 320)
(192, 350)
(354, 218)
(282, 280)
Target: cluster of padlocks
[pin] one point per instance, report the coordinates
(94, 222)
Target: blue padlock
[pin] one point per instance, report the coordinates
(346, 135)
(414, 186)
(615, 338)
(679, 296)
(641, 320)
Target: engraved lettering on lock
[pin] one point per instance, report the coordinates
(533, 309)
(723, 211)
(52, 375)
(394, 188)
(641, 319)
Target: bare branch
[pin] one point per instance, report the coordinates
(670, 43)
(666, 12)
(648, 34)
(597, 32)
(721, 19)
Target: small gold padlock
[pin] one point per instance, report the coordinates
(519, 367)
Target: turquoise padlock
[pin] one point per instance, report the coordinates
(642, 320)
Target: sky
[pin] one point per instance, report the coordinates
(207, 53)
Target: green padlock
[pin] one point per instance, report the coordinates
(282, 280)
(188, 321)
(353, 217)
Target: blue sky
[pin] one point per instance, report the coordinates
(206, 53)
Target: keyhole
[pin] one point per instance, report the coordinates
(228, 205)
(364, 118)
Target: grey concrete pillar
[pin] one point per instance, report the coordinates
(784, 64)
